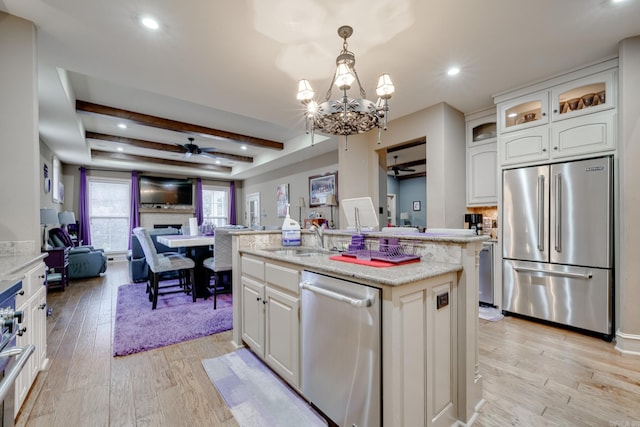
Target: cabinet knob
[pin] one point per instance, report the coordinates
(544, 150)
(42, 306)
(544, 114)
(264, 301)
(21, 292)
(258, 299)
(555, 111)
(21, 331)
(555, 148)
(42, 276)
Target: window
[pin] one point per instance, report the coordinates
(109, 204)
(215, 205)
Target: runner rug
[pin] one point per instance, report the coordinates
(255, 395)
(177, 318)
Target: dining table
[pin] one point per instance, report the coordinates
(198, 248)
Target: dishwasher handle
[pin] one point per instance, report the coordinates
(366, 302)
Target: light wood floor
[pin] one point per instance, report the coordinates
(533, 374)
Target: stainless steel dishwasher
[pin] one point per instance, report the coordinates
(341, 349)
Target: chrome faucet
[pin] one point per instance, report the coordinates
(318, 233)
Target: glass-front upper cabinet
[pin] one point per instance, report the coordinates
(584, 96)
(481, 127)
(526, 111)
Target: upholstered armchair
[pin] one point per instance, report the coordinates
(84, 261)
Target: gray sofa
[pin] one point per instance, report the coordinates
(138, 269)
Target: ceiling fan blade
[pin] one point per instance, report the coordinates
(208, 150)
(206, 154)
(187, 154)
(182, 147)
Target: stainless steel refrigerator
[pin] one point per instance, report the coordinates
(558, 243)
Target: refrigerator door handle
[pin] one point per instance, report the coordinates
(588, 275)
(541, 212)
(558, 224)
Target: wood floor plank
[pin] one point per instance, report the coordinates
(534, 375)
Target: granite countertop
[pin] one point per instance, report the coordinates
(441, 235)
(11, 266)
(390, 276)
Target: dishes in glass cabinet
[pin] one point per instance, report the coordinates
(529, 117)
(587, 100)
(573, 103)
(601, 97)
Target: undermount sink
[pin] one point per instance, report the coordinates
(298, 251)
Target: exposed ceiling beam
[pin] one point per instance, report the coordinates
(404, 146)
(141, 143)
(410, 164)
(174, 125)
(99, 154)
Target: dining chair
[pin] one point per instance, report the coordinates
(161, 263)
(220, 263)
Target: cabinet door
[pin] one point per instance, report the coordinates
(253, 314)
(524, 112)
(39, 321)
(26, 376)
(482, 173)
(282, 334)
(584, 96)
(481, 131)
(530, 145)
(584, 135)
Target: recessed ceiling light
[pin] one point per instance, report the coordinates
(120, 149)
(453, 71)
(244, 147)
(122, 125)
(218, 162)
(150, 23)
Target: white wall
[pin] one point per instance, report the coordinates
(629, 233)
(444, 128)
(297, 176)
(20, 174)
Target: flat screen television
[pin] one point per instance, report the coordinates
(155, 190)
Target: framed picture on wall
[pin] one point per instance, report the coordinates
(321, 187)
(282, 198)
(416, 205)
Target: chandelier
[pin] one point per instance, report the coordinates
(346, 116)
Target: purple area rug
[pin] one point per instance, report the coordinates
(177, 318)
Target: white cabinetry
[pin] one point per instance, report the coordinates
(482, 165)
(33, 304)
(573, 116)
(270, 315)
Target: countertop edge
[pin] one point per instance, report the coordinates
(389, 276)
(12, 265)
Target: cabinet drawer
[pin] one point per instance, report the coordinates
(282, 277)
(253, 267)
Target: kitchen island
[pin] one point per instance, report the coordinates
(429, 312)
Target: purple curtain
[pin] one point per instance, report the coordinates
(199, 208)
(134, 214)
(83, 209)
(232, 203)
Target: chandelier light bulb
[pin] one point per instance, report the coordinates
(344, 77)
(305, 92)
(385, 86)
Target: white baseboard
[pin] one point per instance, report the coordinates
(627, 343)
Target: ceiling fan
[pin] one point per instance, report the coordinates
(191, 148)
(397, 169)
